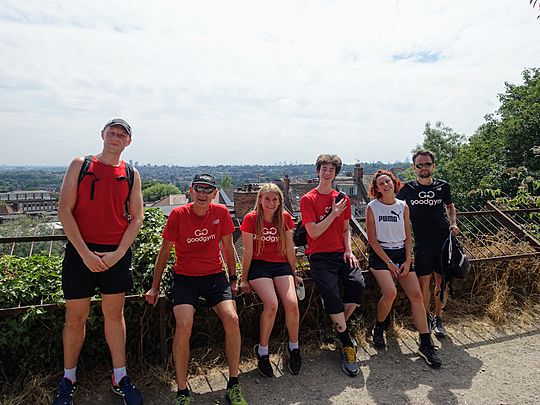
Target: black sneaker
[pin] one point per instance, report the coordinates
(295, 361)
(263, 363)
(429, 354)
(349, 362)
(438, 328)
(378, 338)
(128, 392)
(64, 393)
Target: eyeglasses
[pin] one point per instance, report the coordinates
(202, 189)
(422, 165)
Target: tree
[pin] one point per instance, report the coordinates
(520, 121)
(158, 191)
(444, 143)
(226, 182)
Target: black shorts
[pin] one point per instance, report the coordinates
(427, 255)
(79, 282)
(214, 288)
(264, 269)
(327, 269)
(398, 256)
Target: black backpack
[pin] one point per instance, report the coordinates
(300, 235)
(129, 178)
(454, 264)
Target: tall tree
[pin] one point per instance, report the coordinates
(520, 121)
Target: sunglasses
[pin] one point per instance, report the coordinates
(203, 189)
(422, 165)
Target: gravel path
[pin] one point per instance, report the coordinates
(482, 365)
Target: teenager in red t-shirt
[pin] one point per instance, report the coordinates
(196, 230)
(98, 254)
(330, 255)
(269, 265)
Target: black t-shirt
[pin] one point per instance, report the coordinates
(427, 207)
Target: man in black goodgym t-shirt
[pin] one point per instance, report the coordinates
(432, 216)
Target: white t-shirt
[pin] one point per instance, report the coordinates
(389, 224)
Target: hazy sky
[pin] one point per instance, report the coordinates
(244, 82)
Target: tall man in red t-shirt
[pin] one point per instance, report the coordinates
(196, 230)
(100, 233)
(330, 255)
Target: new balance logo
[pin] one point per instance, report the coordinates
(216, 221)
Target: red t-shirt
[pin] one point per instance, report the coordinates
(196, 239)
(314, 206)
(270, 249)
(101, 218)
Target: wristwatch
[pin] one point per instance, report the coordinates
(233, 277)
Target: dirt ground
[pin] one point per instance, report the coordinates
(483, 364)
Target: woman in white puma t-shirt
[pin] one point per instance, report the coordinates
(390, 257)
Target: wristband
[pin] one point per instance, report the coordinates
(233, 277)
(389, 262)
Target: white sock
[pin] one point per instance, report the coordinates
(71, 374)
(293, 346)
(263, 350)
(119, 373)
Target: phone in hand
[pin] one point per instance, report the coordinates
(340, 196)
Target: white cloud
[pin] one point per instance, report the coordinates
(252, 82)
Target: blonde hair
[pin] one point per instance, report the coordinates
(277, 219)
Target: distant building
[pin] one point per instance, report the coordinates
(30, 202)
(168, 203)
(355, 186)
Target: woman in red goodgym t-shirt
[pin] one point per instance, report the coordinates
(268, 267)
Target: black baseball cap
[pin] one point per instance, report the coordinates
(205, 179)
(118, 121)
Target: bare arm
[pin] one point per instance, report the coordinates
(66, 205)
(136, 212)
(152, 295)
(228, 251)
(452, 218)
(405, 267)
(316, 229)
(375, 245)
(348, 256)
(248, 240)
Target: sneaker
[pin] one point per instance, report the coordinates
(349, 362)
(429, 354)
(128, 392)
(263, 363)
(64, 394)
(378, 338)
(183, 400)
(430, 322)
(438, 328)
(234, 396)
(295, 361)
